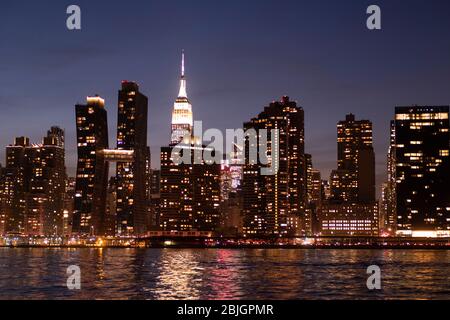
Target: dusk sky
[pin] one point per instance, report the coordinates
(240, 56)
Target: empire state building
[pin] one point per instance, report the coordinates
(182, 119)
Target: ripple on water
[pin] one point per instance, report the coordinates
(223, 274)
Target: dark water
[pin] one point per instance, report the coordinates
(223, 274)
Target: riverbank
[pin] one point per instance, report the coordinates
(237, 247)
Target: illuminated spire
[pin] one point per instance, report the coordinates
(182, 63)
(183, 92)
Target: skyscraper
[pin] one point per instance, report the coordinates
(274, 205)
(132, 177)
(45, 174)
(14, 186)
(182, 118)
(352, 209)
(33, 186)
(354, 179)
(422, 170)
(92, 169)
(190, 192)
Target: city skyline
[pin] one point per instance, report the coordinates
(226, 67)
(231, 158)
(326, 171)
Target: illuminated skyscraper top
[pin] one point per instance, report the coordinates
(183, 92)
(182, 118)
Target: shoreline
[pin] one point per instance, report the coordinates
(242, 247)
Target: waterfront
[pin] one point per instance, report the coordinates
(223, 273)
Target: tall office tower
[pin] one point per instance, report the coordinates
(92, 169)
(190, 193)
(14, 185)
(354, 179)
(274, 205)
(45, 174)
(132, 177)
(182, 118)
(422, 174)
(176, 199)
(55, 176)
(352, 209)
(33, 185)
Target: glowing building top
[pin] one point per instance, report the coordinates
(182, 117)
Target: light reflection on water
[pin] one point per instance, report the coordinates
(223, 274)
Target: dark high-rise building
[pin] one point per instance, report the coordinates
(92, 169)
(69, 205)
(45, 176)
(176, 213)
(422, 170)
(351, 209)
(315, 198)
(132, 177)
(111, 208)
(388, 211)
(190, 193)
(14, 186)
(354, 179)
(33, 186)
(274, 205)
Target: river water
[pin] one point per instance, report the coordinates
(223, 273)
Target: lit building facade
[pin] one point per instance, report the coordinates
(274, 205)
(33, 186)
(422, 171)
(13, 186)
(351, 209)
(182, 116)
(132, 177)
(349, 219)
(190, 193)
(92, 169)
(354, 179)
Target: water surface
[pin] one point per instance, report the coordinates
(223, 273)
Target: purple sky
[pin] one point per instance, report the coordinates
(240, 56)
